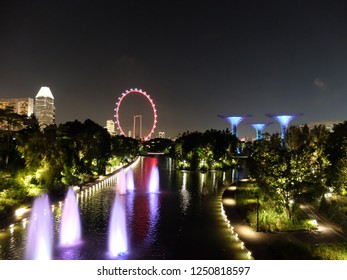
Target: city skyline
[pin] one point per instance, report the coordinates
(196, 60)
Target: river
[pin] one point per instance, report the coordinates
(182, 220)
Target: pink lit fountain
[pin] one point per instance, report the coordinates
(117, 235)
(70, 223)
(39, 244)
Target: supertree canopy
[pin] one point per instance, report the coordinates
(259, 127)
(234, 121)
(284, 121)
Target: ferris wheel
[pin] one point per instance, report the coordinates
(154, 111)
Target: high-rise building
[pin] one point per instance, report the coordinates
(21, 106)
(44, 107)
(161, 134)
(110, 126)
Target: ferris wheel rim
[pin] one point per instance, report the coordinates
(147, 96)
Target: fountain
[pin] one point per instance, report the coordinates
(121, 181)
(130, 180)
(39, 244)
(154, 180)
(117, 235)
(70, 223)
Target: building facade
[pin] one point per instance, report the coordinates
(44, 107)
(21, 106)
(110, 126)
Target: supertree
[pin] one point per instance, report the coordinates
(259, 127)
(234, 121)
(284, 121)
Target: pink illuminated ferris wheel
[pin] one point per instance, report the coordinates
(136, 117)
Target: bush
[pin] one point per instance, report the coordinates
(289, 250)
(335, 251)
(272, 220)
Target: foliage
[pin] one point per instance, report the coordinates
(335, 209)
(286, 170)
(331, 251)
(336, 149)
(291, 250)
(213, 149)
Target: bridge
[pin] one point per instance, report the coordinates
(154, 154)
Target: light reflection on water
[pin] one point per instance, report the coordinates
(157, 223)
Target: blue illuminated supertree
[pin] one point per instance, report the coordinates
(234, 121)
(259, 127)
(284, 121)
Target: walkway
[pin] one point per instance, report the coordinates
(262, 245)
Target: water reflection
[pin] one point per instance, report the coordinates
(154, 211)
(185, 196)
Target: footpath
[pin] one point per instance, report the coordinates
(264, 246)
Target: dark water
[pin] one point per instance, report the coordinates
(181, 221)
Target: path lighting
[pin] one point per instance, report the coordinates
(11, 228)
(24, 223)
(20, 211)
(249, 254)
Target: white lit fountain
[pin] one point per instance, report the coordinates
(121, 181)
(70, 223)
(154, 180)
(117, 234)
(130, 180)
(39, 244)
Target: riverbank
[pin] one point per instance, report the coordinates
(24, 213)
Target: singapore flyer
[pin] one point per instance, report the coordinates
(135, 113)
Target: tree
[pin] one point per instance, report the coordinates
(12, 122)
(336, 150)
(285, 172)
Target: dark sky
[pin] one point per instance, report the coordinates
(196, 59)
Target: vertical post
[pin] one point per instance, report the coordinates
(257, 196)
(134, 128)
(140, 126)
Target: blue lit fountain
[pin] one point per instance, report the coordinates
(70, 225)
(39, 244)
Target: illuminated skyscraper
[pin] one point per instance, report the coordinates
(284, 121)
(259, 127)
(44, 107)
(110, 126)
(234, 121)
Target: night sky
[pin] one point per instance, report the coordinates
(196, 59)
